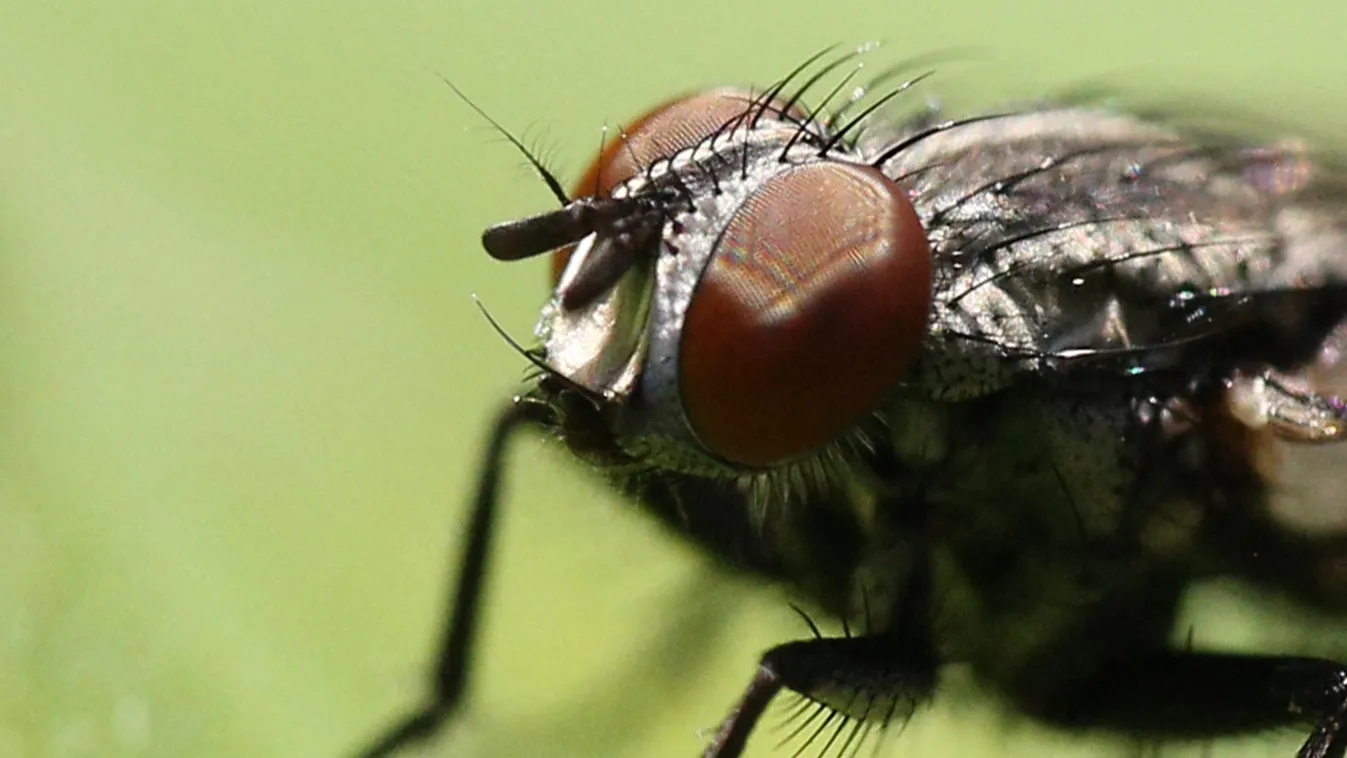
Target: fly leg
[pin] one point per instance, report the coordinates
(1182, 694)
(453, 663)
(862, 682)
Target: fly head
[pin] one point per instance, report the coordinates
(734, 288)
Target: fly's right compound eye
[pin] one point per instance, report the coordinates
(812, 307)
(664, 131)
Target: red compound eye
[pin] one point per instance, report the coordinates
(812, 307)
(671, 127)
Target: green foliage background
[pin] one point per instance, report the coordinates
(243, 383)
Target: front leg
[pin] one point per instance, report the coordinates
(868, 680)
(865, 681)
(453, 663)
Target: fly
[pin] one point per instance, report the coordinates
(992, 390)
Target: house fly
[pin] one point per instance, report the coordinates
(991, 390)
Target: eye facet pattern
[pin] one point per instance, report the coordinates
(812, 307)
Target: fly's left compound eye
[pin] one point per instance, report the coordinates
(812, 307)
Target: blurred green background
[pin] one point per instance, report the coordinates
(243, 383)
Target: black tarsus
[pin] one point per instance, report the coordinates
(453, 662)
(732, 736)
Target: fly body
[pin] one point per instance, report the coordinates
(993, 390)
